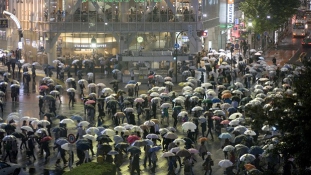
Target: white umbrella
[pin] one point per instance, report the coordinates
(84, 123)
(107, 90)
(82, 81)
(25, 118)
(149, 123)
(89, 137)
(225, 163)
(235, 115)
(197, 108)
(228, 148)
(92, 130)
(165, 105)
(234, 122)
(71, 90)
(27, 128)
(247, 158)
(44, 123)
(119, 128)
(139, 100)
(250, 132)
(108, 132)
(154, 94)
(152, 136)
(182, 113)
(189, 126)
(67, 121)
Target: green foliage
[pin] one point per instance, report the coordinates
(292, 116)
(278, 10)
(94, 169)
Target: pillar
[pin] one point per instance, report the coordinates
(195, 44)
(212, 38)
(51, 53)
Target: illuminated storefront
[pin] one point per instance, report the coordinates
(58, 28)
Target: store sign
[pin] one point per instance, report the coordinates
(230, 11)
(88, 46)
(120, 1)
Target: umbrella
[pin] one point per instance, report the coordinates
(193, 151)
(239, 139)
(234, 122)
(154, 94)
(113, 152)
(256, 150)
(254, 172)
(119, 114)
(92, 130)
(84, 123)
(89, 137)
(165, 105)
(247, 158)
(197, 108)
(175, 150)
(71, 90)
(249, 166)
(27, 128)
(70, 80)
(241, 148)
(18, 135)
(122, 145)
(107, 90)
(76, 117)
(108, 132)
(67, 121)
(117, 139)
(240, 128)
(183, 153)
(149, 142)
(225, 135)
(225, 163)
(203, 139)
(103, 138)
(189, 126)
(44, 123)
(132, 138)
(82, 81)
(250, 132)
(149, 123)
(83, 144)
(167, 154)
(139, 143)
(152, 136)
(170, 135)
(61, 141)
(90, 102)
(235, 115)
(225, 122)
(139, 100)
(133, 149)
(228, 148)
(9, 138)
(119, 128)
(46, 139)
(216, 100)
(101, 85)
(155, 148)
(202, 119)
(58, 129)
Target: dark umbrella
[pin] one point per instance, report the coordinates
(48, 97)
(241, 149)
(103, 138)
(51, 67)
(83, 144)
(61, 141)
(188, 141)
(122, 145)
(105, 148)
(231, 110)
(18, 135)
(133, 149)
(255, 172)
(139, 143)
(255, 150)
(58, 129)
(183, 153)
(239, 139)
(114, 82)
(9, 127)
(61, 117)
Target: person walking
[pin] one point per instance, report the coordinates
(71, 98)
(208, 163)
(136, 89)
(31, 147)
(8, 147)
(210, 126)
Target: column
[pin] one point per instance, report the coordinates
(195, 44)
(212, 37)
(51, 52)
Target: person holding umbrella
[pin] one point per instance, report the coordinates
(71, 98)
(24, 139)
(208, 163)
(31, 147)
(135, 164)
(136, 89)
(60, 154)
(154, 159)
(8, 147)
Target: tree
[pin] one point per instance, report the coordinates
(290, 112)
(269, 14)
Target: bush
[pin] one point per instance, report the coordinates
(94, 168)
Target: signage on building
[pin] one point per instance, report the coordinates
(88, 46)
(230, 11)
(4, 23)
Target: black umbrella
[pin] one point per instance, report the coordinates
(239, 139)
(133, 149)
(9, 127)
(103, 138)
(83, 144)
(18, 135)
(105, 148)
(48, 97)
(188, 141)
(61, 117)
(122, 145)
(58, 129)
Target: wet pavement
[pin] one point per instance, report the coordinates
(27, 105)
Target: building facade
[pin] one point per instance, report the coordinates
(64, 28)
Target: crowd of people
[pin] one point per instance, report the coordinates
(210, 105)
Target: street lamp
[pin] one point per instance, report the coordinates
(93, 46)
(231, 50)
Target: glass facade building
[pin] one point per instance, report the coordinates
(63, 28)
